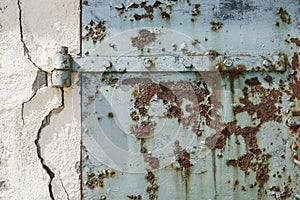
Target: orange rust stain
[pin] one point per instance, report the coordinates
(295, 62)
(296, 41)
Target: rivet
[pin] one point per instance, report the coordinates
(228, 62)
(107, 64)
(292, 122)
(187, 63)
(183, 47)
(148, 63)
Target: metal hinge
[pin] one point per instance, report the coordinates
(61, 73)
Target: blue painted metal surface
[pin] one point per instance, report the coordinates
(190, 100)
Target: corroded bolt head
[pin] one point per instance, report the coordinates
(292, 122)
(266, 63)
(228, 62)
(148, 62)
(187, 63)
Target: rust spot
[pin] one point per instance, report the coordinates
(295, 112)
(148, 9)
(110, 115)
(253, 82)
(95, 32)
(212, 54)
(296, 41)
(196, 10)
(243, 162)
(182, 156)
(284, 16)
(157, 3)
(295, 86)
(134, 5)
(152, 190)
(97, 180)
(144, 37)
(172, 95)
(295, 62)
(266, 108)
(136, 197)
(217, 141)
(287, 193)
(216, 25)
(275, 188)
(269, 79)
(262, 175)
(137, 17)
(165, 15)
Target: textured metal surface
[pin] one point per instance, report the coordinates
(182, 100)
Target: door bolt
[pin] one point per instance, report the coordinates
(228, 62)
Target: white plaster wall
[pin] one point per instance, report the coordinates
(39, 125)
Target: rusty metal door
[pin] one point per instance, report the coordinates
(190, 99)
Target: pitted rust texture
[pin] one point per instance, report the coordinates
(265, 108)
(95, 32)
(295, 62)
(284, 15)
(264, 104)
(218, 140)
(152, 190)
(182, 156)
(196, 10)
(243, 161)
(172, 95)
(164, 8)
(97, 179)
(294, 86)
(144, 37)
(269, 79)
(296, 41)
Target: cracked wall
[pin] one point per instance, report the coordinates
(39, 125)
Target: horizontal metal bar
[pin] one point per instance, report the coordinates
(180, 63)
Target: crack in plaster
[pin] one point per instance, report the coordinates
(36, 85)
(46, 122)
(62, 185)
(26, 51)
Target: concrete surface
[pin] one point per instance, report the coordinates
(39, 125)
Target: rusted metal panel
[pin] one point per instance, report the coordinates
(182, 100)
